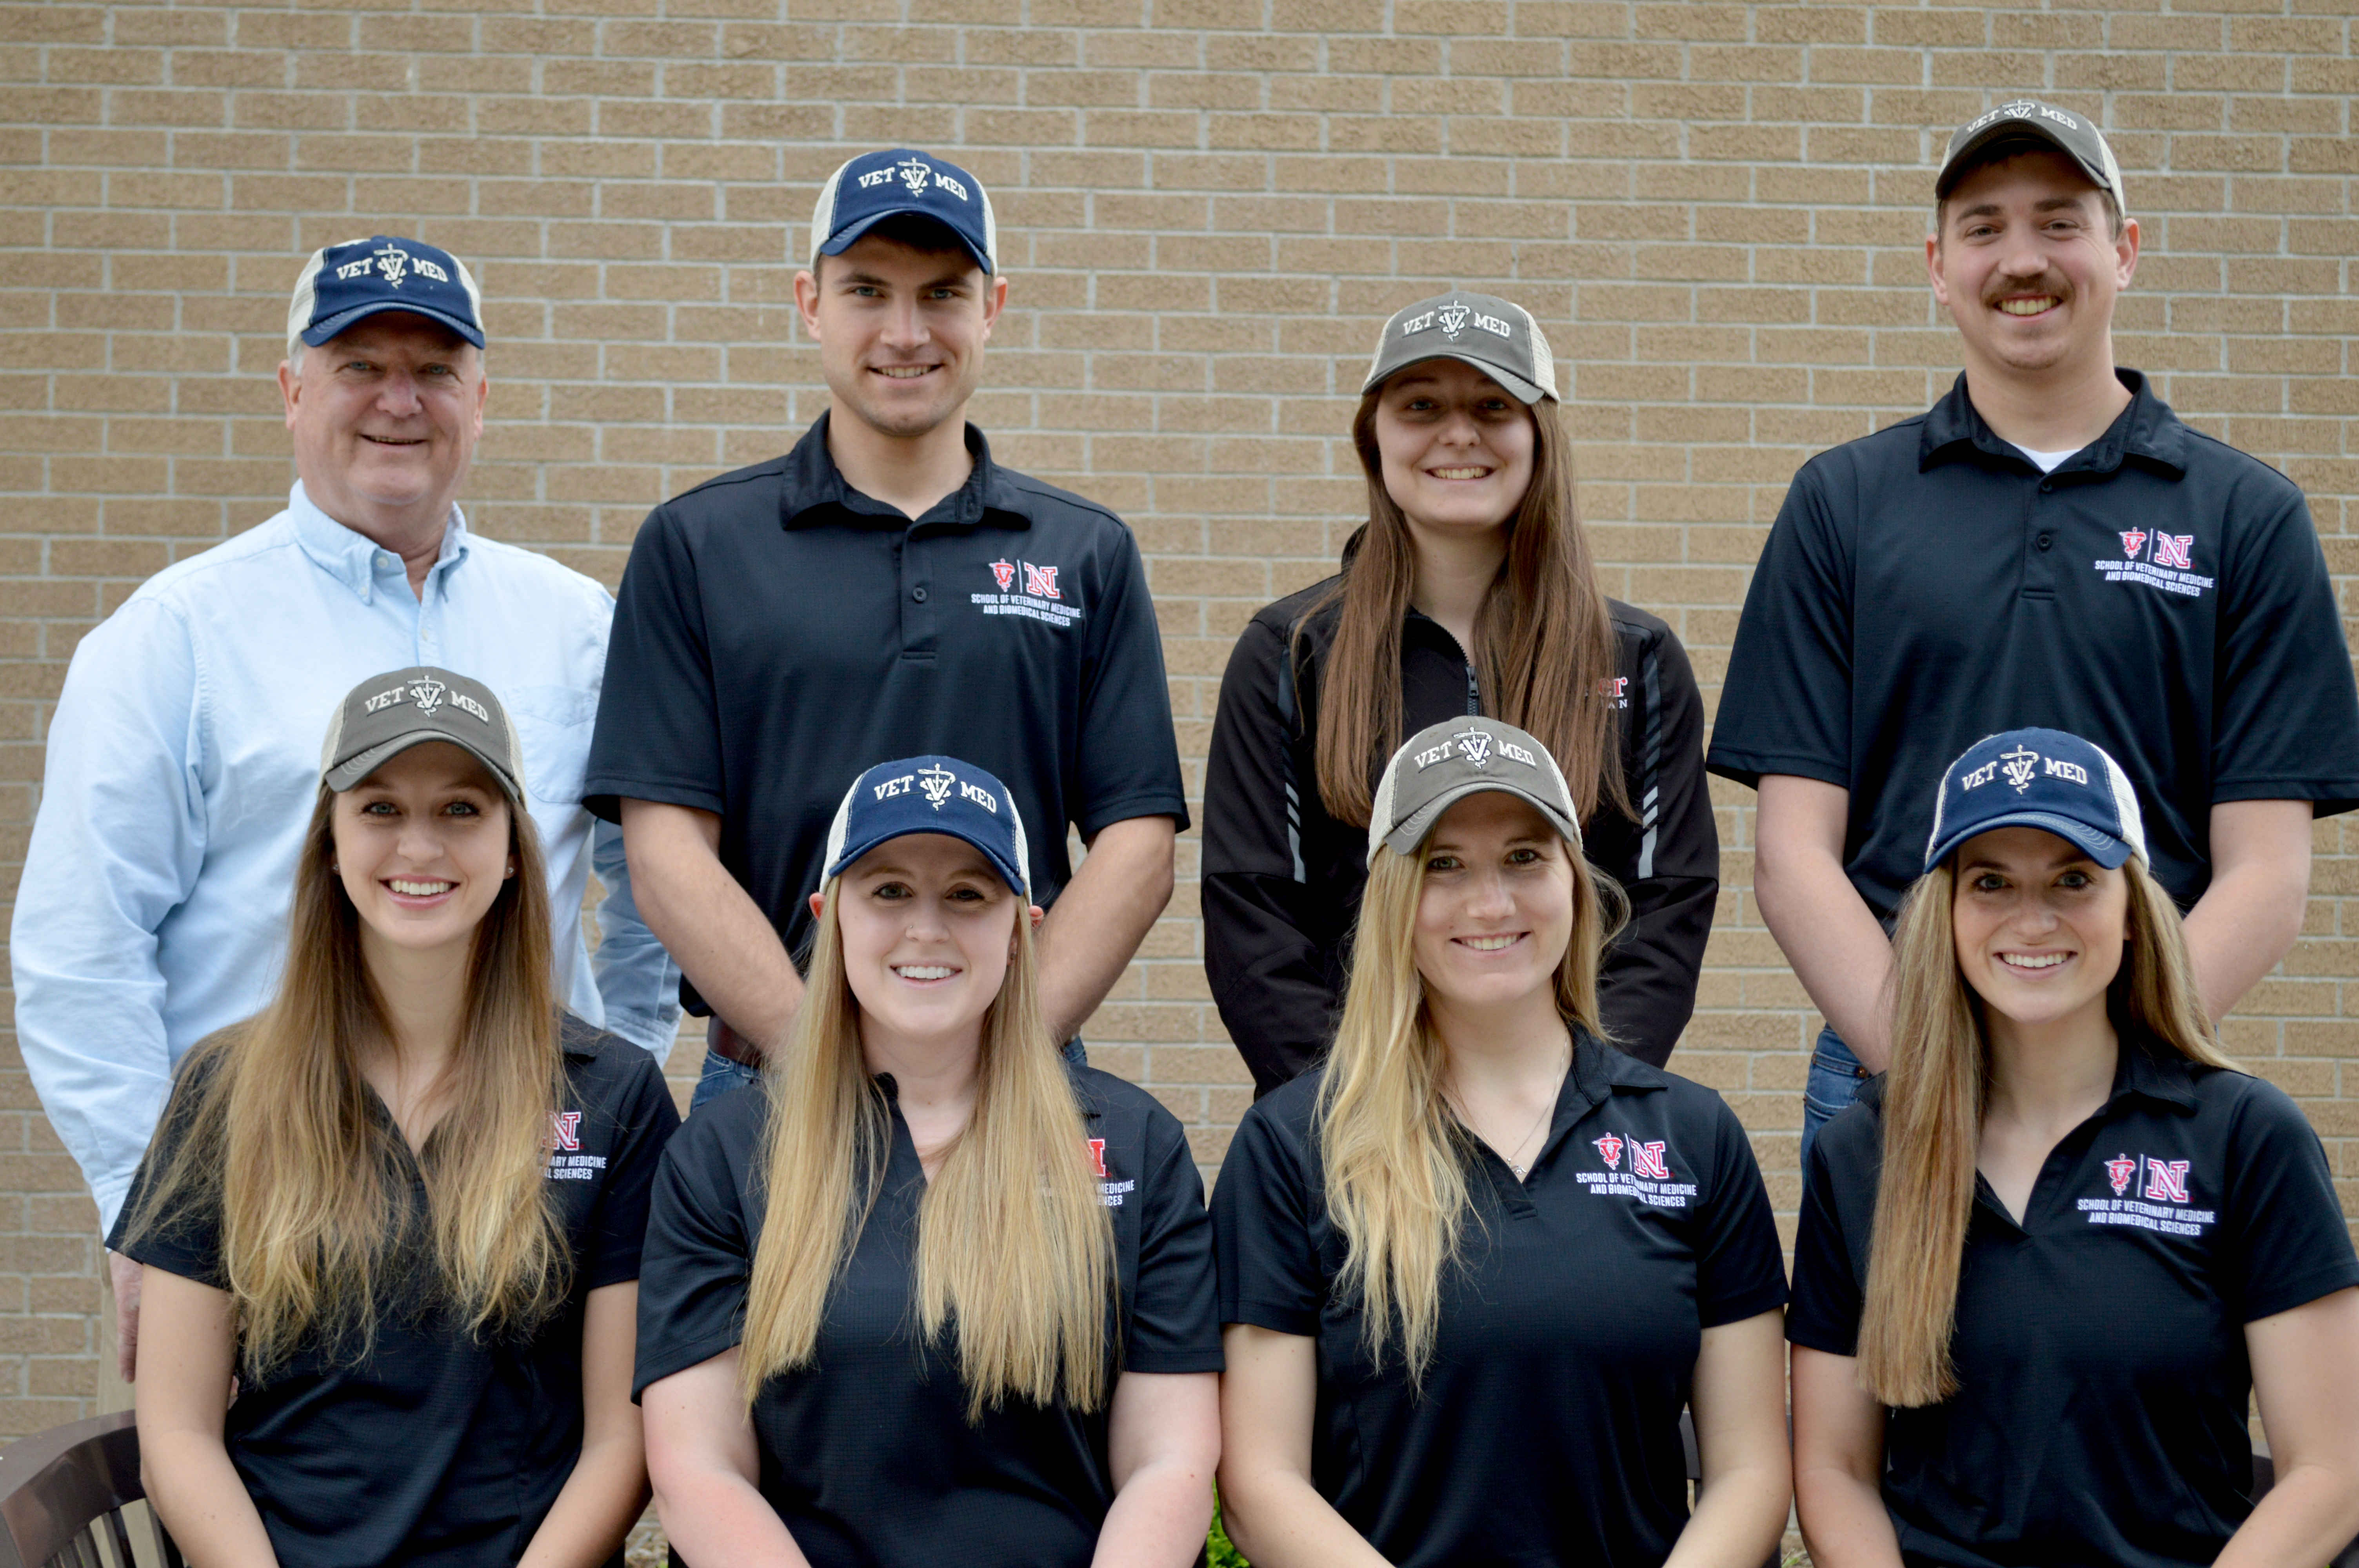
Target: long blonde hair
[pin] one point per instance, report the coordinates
(1544, 640)
(1393, 1151)
(1025, 1284)
(274, 1121)
(1934, 1098)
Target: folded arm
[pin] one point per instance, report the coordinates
(705, 1462)
(1272, 1513)
(602, 1498)
(188, 1356)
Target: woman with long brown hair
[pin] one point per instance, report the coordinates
(1469, 590)
(1472, 1266)
(928, 1293)
(390, 1226)
(2047, 1258)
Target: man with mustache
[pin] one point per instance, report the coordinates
(2048, 545)
(885, 590)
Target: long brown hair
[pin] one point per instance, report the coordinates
(1934, 1098)
(276, 1124)
(1025, 1284)
(1393, 1151)
(1544, 642)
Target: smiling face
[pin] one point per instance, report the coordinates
(2039, 926)
(422, 848)
(928, 930)
(2028, 267)
(900, 330)
(1495, 918)
(385, 417)
(1457, 449)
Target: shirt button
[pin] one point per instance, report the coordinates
(384, 561)
(918, 593)
(2046, 540)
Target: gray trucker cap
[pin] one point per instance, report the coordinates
(1443, 763)
(385, 715)
(1495, 336)
(2074, 135)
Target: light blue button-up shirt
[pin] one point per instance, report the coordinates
(182, 767)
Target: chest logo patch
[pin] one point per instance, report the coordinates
(1649, 1179)
(1039, 599)
(566, 1161)
(1111, 1192)
(2160, 561)
(2162, 1203)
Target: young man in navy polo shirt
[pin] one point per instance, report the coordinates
(2048, 545)
(883, 589)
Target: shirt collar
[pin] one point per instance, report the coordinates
(351, 556)
(814, 485)
(2146, 1067)
(1600, 1072)
(1954, 429)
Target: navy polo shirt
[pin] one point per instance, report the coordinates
(1547, 1428)
(777, 631)
(436, 1447)
(867, 1454)
(2160, 593)
(2100, 1343)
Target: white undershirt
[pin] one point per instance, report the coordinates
(2046, 461)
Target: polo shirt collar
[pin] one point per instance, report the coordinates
(350, 557)
(2146, 1067)
(813, 484)
(1954, 428)
(1599, 1073)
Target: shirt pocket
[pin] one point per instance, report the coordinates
(554, 723)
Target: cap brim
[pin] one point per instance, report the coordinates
(1411, 831)
(320, 331)
(2103, 848)
(346, 774)
(1013, 876)
(1525, 391)
(1947, 179)
(850, 234)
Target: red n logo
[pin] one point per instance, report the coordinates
(565, 1129)
(1041, 581)
(2174, 550)
(1647, 1160)
(1097, 1154)
(2167, 1180)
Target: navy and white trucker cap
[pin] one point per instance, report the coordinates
(346, 283)
(877, 185)
(1497, 337)
(1443, 763)
(931, 795)
(2074, 135)
(2040, 778)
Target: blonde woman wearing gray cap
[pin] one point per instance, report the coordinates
(1469, 590)
(1472, 1266)
(402, 1206)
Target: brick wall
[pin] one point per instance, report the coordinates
(1208, 205)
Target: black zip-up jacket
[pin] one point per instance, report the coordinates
(1281, 878)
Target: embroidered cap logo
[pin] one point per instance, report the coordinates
(390, 261)
(1454, 319)
(1474, 745)
(937, 781)
(913, 175)
(2021, 763)
(429, 694)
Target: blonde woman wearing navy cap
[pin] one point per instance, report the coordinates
(390, 1225)
(2050, 1257)
(1472, 1266)
(1469, 590)
(930, 1293)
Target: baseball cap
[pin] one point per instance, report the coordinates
(877, 185)
(2038, 778)
(2075, 136)
(1497, 337)
(931, 795)
(346, 283)
(386, 715)
(1443, 763)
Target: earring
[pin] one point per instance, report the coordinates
(510, 871)
(334, 870)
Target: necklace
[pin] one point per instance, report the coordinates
(1508, 1154)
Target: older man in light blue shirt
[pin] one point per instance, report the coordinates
(183, 758)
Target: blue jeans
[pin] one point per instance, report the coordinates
(1835, 1078)
(720, 1074)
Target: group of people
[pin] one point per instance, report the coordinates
(415, 1261)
